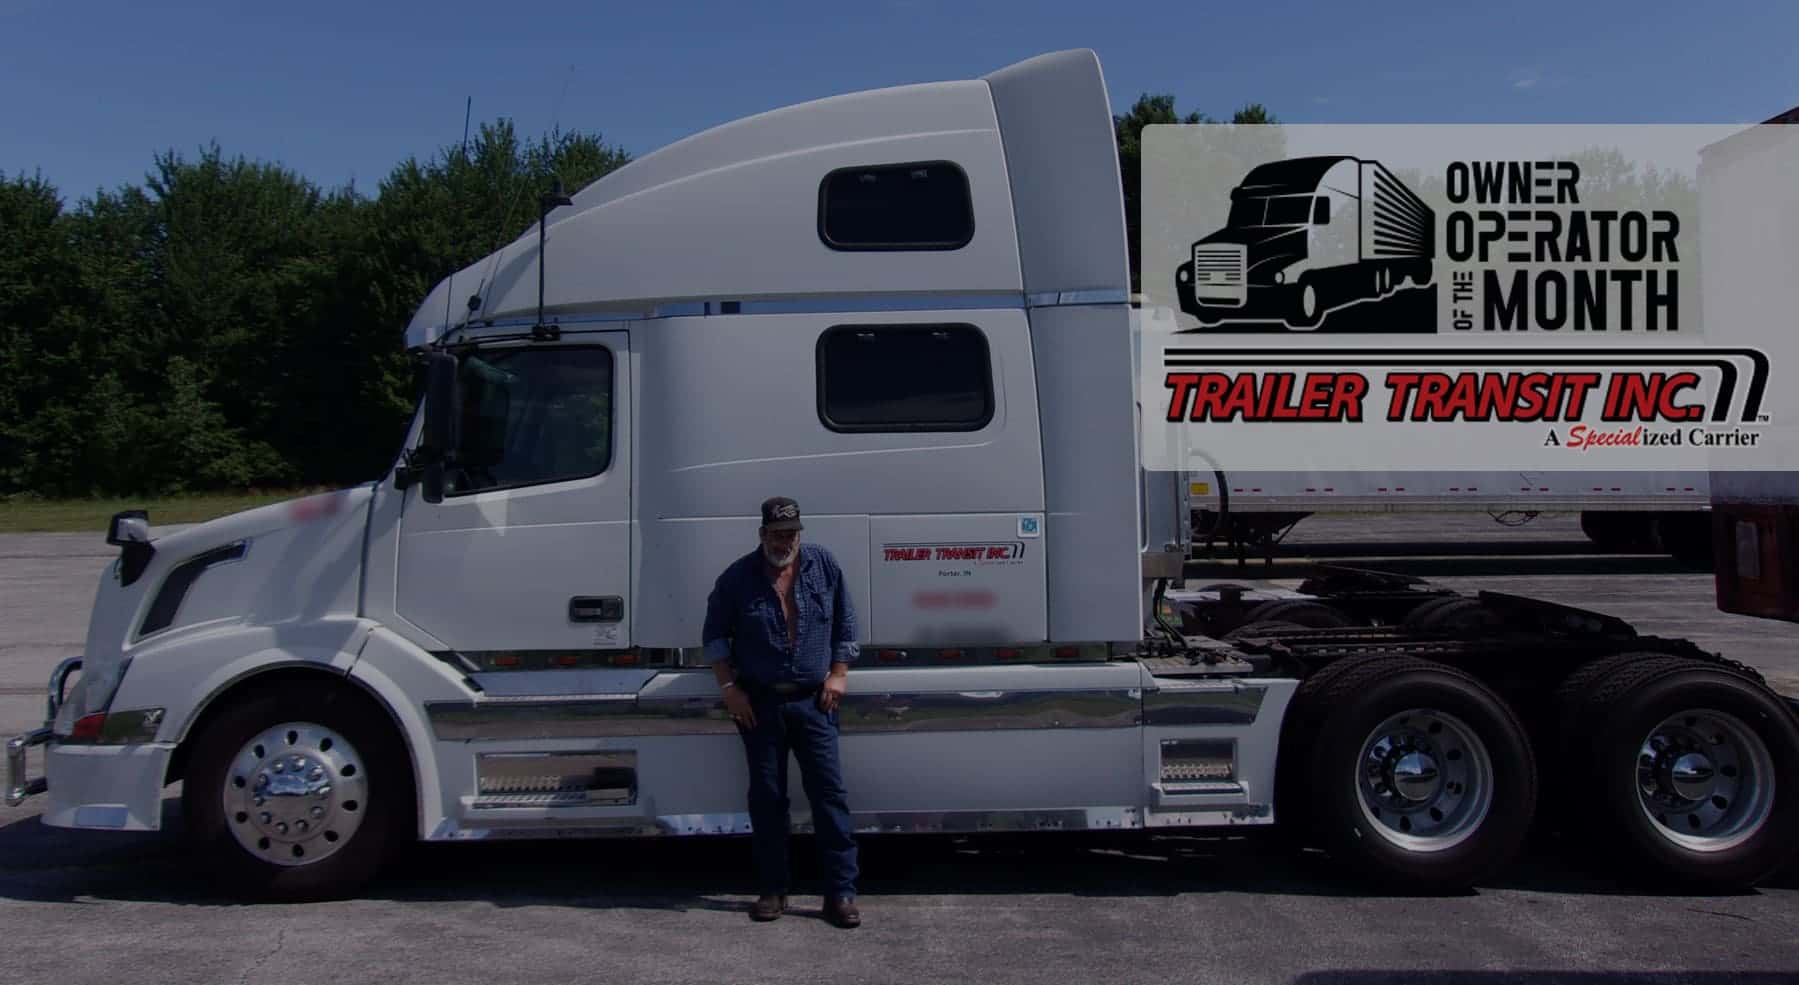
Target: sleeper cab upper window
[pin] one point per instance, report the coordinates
(904, 378)
(920, 206)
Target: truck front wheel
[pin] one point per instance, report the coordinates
(1308, 306)
(1415, 774)
(297, 792)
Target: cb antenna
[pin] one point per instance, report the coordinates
(465, 115)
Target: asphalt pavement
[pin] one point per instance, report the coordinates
(81, 907)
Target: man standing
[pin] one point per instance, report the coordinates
(780, 634)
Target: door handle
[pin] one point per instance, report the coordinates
(596, 608)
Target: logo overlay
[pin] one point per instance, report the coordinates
(1469, 297)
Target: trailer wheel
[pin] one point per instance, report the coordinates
(1416, 774)
(298, 792)
(1303, 612)
(1694, 775)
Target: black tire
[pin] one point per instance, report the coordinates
(1420, 615)
(1324, 762)
(386, 815)
(1249, 629)
(1454, 615)
(1631, 703)
(1567, 729)
(1303, 612)
(1299, 315)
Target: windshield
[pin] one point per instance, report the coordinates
(1277, 210)
(1247, 211)
(1289, 210)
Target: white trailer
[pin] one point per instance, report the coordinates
(907, 309)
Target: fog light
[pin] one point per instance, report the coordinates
(1280, 276)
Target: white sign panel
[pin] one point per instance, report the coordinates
(1469, 297)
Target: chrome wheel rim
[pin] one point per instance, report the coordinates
(1705, 780)
(1424, 780)
(295, 794)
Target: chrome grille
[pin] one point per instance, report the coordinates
(1218, 264)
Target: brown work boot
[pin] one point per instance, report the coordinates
(768, 908)
(843, 912)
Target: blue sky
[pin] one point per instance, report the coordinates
(343, 91)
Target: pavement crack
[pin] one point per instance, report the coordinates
(280, 941)
(1721, 913)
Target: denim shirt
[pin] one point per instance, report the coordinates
(745, 622)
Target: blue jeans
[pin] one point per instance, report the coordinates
(794, 723)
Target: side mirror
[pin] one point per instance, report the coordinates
(129, 527)
(129, 531)
(441, 416)
(1321, 211)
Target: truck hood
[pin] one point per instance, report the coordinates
(300, 561)
(263, 520)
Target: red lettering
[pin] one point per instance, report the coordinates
(1181, 384)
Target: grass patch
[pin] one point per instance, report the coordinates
(30, 515)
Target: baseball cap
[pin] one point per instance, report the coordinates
(781, 513)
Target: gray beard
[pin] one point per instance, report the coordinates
(779, 561)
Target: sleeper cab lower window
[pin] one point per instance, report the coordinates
(904, 378)
(921, 206)
(531, 416)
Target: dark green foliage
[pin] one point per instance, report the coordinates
(228, 324)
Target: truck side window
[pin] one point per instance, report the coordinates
(531, 416)
(904, 378)
(923, 206)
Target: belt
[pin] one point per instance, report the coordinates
(781, 688)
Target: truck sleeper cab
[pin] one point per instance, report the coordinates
(907, 309)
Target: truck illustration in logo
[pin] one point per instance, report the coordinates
(1306, 237)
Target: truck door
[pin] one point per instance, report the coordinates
(530, 548)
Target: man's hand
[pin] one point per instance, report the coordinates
(738, 704)
(831, 695)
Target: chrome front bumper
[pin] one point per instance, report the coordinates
(19, 784)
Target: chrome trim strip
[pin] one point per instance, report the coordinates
(1220, 818)
(981, 711)
(628, 715)
(1095, 295)
(1189, 788)
(738, 823)
(1176, 703)
(841, 304)
(535, 717)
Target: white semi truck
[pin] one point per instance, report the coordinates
(907, 309)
